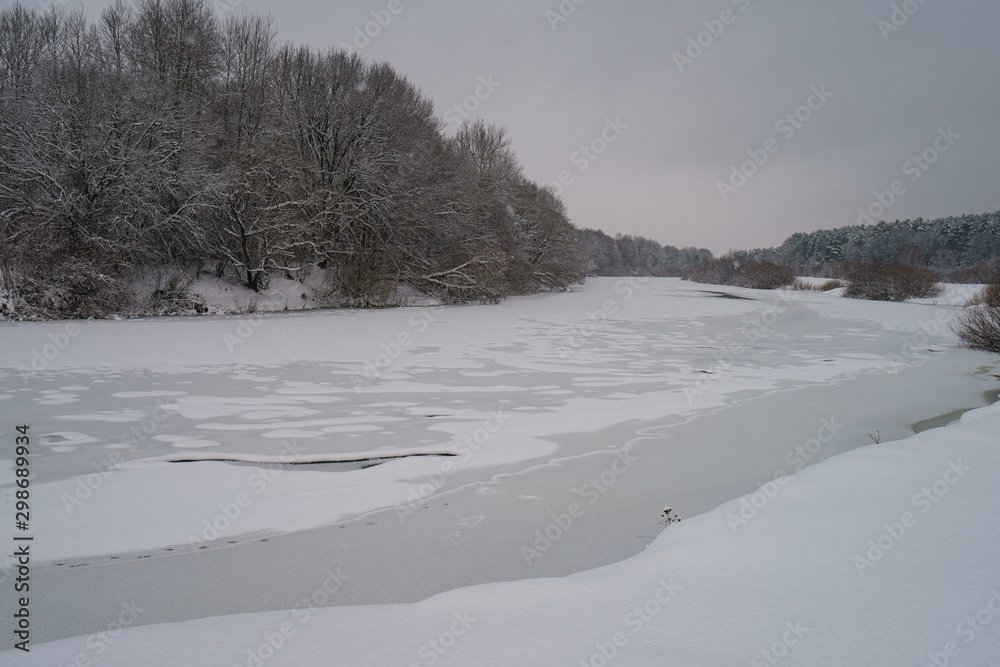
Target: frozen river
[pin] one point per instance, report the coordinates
(210, 466)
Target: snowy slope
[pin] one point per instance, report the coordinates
(886, 555)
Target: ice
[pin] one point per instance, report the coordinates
(711, 394)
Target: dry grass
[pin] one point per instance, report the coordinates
(800, 285)
(826, 286)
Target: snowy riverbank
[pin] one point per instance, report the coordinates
(882, 555)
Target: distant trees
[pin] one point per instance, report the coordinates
(164, 135)
(626, 255)
(944, 244)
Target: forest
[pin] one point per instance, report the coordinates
(945, 244)
(628, 255)
(164, 138)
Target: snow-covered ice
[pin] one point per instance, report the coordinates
(180, 443)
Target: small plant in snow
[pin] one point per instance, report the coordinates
(669, 517)
(876, 437)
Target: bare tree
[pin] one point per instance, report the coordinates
(177, 42)
(267, 223)
(247, 84)
(162, 135)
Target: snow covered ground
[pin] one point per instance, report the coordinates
(209, 442)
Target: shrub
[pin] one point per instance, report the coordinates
(78, 290)
(47, 273)
(831, 285)
(989, 295)
(731, 270)
(767, 275)
(979, 329)
(164, 291)
(722, 271)
(891, 282)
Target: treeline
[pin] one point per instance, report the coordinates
(626, 255)
(163, 135)
(946, 244)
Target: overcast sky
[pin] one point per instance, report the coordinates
(564, 73)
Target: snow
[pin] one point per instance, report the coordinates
(813, 281)
(174, 438)
(882, 555)
(952, 295)
(592, 370)
(308, 291)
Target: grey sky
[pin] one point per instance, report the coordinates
(891, 93)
